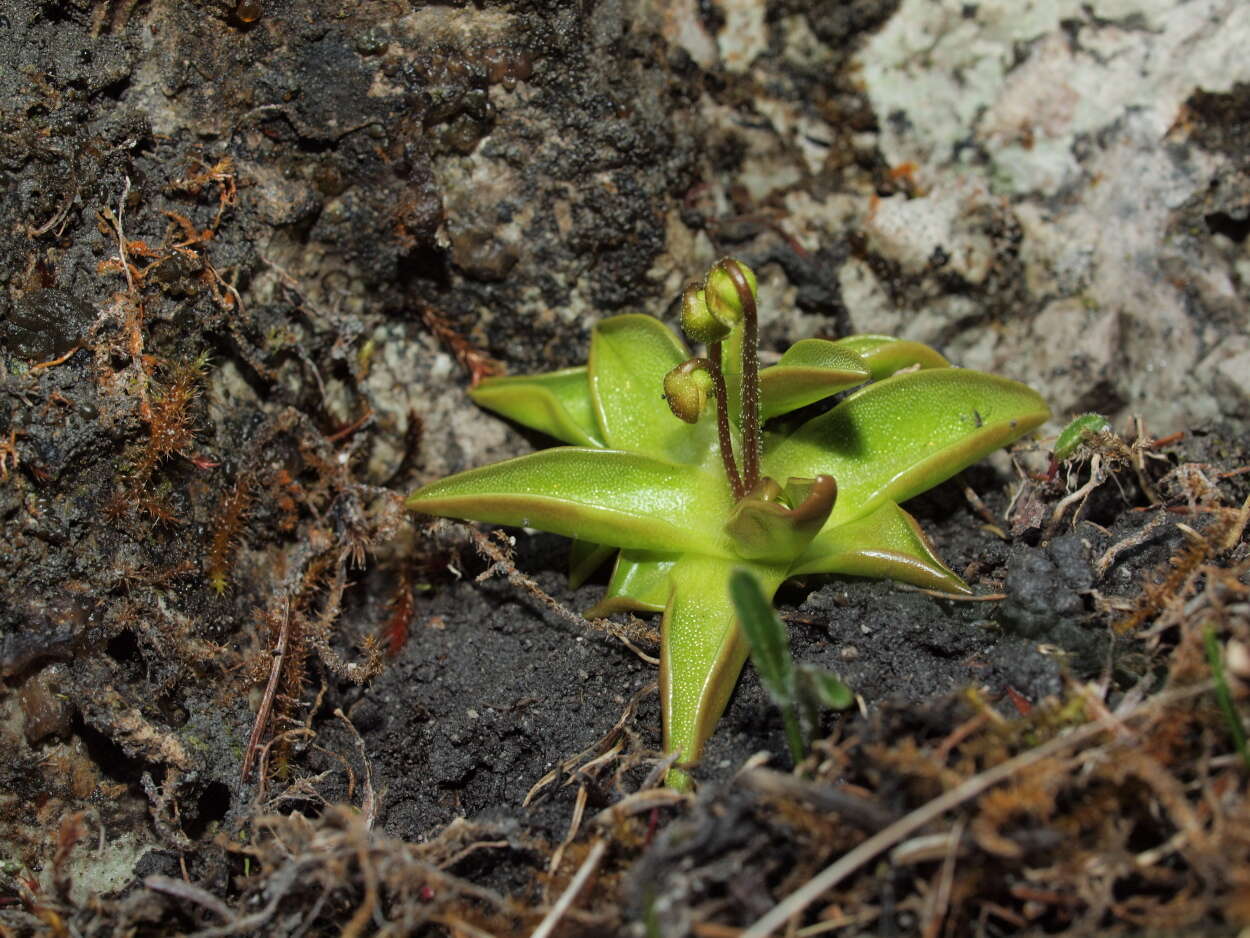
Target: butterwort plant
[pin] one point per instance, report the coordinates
(688, 467)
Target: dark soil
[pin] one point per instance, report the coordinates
(251, 255)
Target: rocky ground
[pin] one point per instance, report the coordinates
(254, 253)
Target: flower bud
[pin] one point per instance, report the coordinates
(686, 388)
(725, 301)
(697, 322)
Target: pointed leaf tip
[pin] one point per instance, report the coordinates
(556, 403)
(887, 542)
(901, 436)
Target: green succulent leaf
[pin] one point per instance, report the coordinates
(886, 542)
(701, 649)
(905, 434)
(556, 403)
(884, 354)
(604, 496)
(809, 371)
(639, 583)
(585, 557)
(629, 357)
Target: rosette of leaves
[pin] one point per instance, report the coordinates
(650, 475)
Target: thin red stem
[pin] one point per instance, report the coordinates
(751, 441)
(717, 371)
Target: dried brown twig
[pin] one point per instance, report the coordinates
(1133, 540)
(500, 557)
(594, 756)
(271, 690)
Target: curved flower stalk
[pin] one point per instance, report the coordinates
(683, 497)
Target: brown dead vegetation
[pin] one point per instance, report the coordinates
(1108, 809)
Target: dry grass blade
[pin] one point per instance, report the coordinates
(547, 926)
(935, 913)
(640, 802)
(579, 810)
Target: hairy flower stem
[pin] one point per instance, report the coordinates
(751, 440)
(717, 372)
